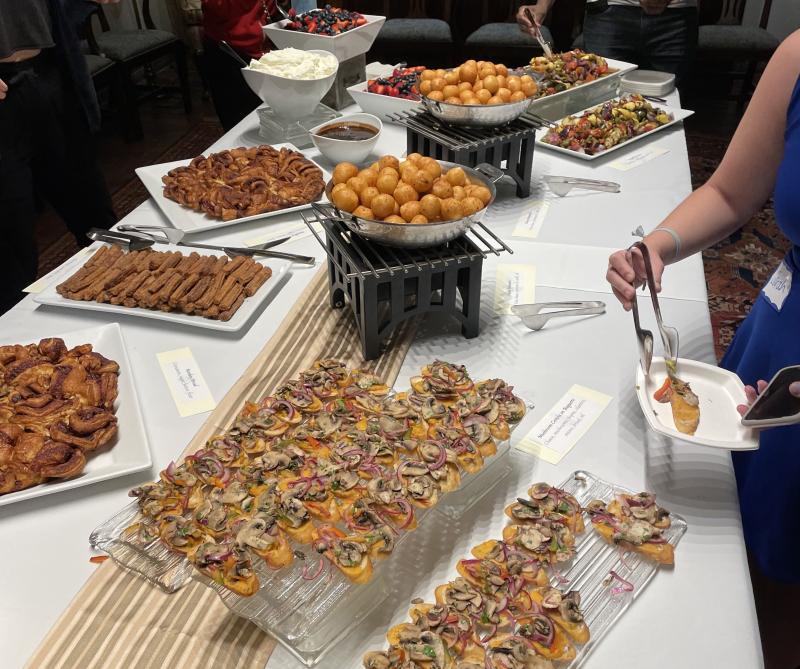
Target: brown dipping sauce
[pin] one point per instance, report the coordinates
(353, 132)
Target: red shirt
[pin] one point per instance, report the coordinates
(238, 22)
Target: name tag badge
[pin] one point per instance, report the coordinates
(779, 286)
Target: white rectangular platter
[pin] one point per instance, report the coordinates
(677, 115)
(130, 451)
(191, 221)
(249, 307)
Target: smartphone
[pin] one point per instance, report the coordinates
(776, 406)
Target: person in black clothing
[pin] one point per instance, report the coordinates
(48, 111)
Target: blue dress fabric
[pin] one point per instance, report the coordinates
(769, 479)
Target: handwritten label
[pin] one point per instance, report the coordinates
(779, 286)
(561, 427)
(636, 158)
(515, 284)
(185, 381)
(531, 220)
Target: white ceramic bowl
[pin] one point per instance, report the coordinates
(381, 105)
(290, 98)
(345, 150)
(344, 45)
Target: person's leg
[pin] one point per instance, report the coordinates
(65, 168)
(614, 32)
(18, 257)
(671, 41)
(233, 99)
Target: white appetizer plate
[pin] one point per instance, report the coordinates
(344, 46)
(191, 221)
(50, 297)
(130, 451)
(719, 391)
(677, 115)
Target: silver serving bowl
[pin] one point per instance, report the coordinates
(484, 116)
(406, 235)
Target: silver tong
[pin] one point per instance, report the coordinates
(563, 185)
(546, 48)
(669, 335)
(531, 316)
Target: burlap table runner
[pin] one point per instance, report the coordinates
(120, 620)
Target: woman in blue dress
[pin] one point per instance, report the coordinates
(763, 158)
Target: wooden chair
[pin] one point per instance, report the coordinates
(500, 41)
(418, 32)
(133, 50)
(724, 40)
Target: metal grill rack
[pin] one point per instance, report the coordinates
(386, 285)
(511, 143)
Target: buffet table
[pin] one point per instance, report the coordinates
(700, 614)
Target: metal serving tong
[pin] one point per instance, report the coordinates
(548, 51)
(531, 316)
(669, 335)
(563, 185)
(155, 234)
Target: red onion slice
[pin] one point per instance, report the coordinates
(624, 586)
(317, 572)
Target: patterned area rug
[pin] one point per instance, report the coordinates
(738, 266)
(132, 194)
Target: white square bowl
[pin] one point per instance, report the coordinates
(344, 46)
(381, 105)
(130, 450)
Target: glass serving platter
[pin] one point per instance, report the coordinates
(307, 616)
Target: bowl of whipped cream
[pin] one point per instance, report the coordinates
(292, 81)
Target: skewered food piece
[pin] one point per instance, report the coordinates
(208, 286)
(568, 69)
(477, 83)
(403, 82)
(329, 21)
(56, 407)
(244, 182)
(416, 190)
(332, 461)
(636, 523)
(685, 404)
(611, 123)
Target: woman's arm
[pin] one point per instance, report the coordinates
(738, 188)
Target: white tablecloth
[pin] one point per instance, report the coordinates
(700, 614)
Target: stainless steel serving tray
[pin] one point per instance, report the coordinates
(480, 116)
(405, 235)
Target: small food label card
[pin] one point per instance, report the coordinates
(515, 284)
(560, 428)
(185, 381)
(530, 221)
(636, 158)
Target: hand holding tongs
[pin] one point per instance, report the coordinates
(563, 185)
(531, 315)
(537, 33)
(669, 335)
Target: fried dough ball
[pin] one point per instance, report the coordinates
(518, 96)
(438, 84)
(529, 89)
(450, 91)
(451, 77)
(464, 86)
(436, 95)
(430, 206)
(453, 101)
(459, 193)
(513, 83)
(346, 199)
(483, 96)
(357, 184)
(419, 219)
(471, 205)
(501, 69)
(395, 172)
(410, 209)
(408, 172)
(367, 194)
(413, 157)
(504, 94)
(343, 171)
(468, 72)
(404, 193)
(451, 209)
(431, 166)
(427, 75)
(491, 84)
(387, 183)
(487, 70)
(337, 188)
(468, 98)
(482, 193)
(394, 218)
(456, 176)
(370, 176)
(422, 181)
(383, 205)
(425, 86)
(364, 212)
(389, 161)
(494, 100)
(442, 189)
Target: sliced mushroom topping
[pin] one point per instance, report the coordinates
(349, 553)
(179, 531)
(243, 566)
(478, 432)
(325, 424)
(421, 487)
(384, 535)
(551, 598)
(385, 489)
(211, 553)
(254, 533)
(635, 532)
(428, 648)
(395, 408)
(532, 538)
(392, 427)
(412, 468)
(525, 509)
(344, 479)
(596, 506)
(376, 660)
(234, 493)
(539, 490)
(293, 510)
(570, 607)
